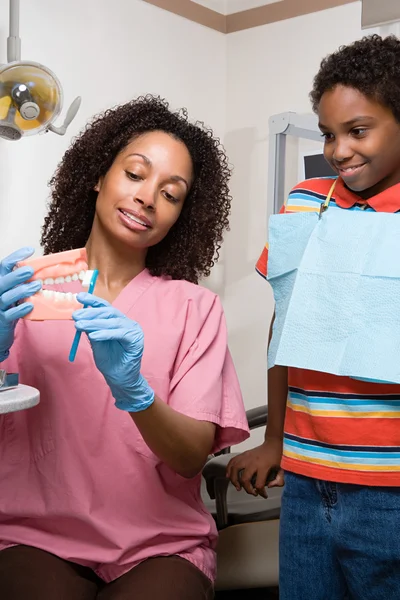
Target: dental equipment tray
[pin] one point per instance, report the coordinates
(15, 396)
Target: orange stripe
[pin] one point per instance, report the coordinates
(261, 265)
(314, 381)
(319, 186)
(340, 475)
(341, 431)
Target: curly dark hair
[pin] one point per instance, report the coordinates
(370, 65)
(191, 246)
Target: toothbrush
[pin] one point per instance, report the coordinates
(89, 280)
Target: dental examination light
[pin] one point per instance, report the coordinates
(30, 101)
(30, 94)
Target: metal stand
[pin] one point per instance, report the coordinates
(18, 398)
(13, 396)
(289, 123)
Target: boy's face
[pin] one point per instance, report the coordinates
(362, 140)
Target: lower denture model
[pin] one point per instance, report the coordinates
(67, 271)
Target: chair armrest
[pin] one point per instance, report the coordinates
(257, 417)
(214, 471)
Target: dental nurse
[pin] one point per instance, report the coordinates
(100, 483)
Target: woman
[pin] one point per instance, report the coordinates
(101, 482)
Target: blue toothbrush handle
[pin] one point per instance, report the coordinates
(74, 347)
(77, 337)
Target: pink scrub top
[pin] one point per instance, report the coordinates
(76, 477)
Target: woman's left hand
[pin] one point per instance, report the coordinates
(117, 343)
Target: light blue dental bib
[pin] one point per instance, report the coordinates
(336, 283)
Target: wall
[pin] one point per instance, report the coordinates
(270, 70)
(107, 52)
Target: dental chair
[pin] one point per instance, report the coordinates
(247, 554)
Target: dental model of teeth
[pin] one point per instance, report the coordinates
(53, 295)
(67, 279)
(64, 268)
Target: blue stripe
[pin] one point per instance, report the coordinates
(339, 404)
(349, 460)
(343, 400)
(349, 409)
(388, 458)
(305, 199)
(323, 394)
(300, 440)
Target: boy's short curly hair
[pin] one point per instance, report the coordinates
(189, 249)
(370, 65)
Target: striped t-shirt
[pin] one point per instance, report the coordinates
(336, 428)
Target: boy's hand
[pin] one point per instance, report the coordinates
(259, 463)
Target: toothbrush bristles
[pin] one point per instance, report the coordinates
(87, 279)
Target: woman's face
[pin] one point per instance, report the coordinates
(142, 195)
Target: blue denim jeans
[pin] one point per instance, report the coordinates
(339, 541)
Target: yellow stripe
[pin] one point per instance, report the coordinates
(344, 413)
(339, 465)
(291, 208)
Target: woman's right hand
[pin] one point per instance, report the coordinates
(260, 463)
(13, 289)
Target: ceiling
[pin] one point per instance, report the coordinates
(228, 16)
(228, 7)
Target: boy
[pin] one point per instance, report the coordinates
(341, 504)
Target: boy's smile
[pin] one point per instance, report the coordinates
(362, 140)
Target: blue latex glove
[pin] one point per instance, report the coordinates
(13, 289)
(117, 343)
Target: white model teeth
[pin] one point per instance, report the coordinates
(58, 296)
(67, 279)
(135, 219)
